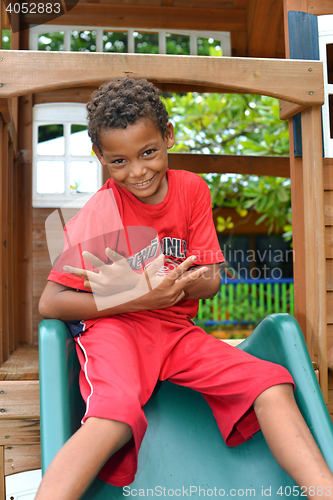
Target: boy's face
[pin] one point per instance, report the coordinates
(137, 159)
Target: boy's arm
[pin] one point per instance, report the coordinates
(206, 286)
(61, 302)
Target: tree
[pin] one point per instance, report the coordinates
(236, 124)
(213, 123)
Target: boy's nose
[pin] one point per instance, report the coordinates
(138, 171)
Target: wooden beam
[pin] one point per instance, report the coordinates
(2, 291)
(145, 16)
(297, 207)
(319, 7)
(23, 72)
(19, 399)
(83, 94)
(22, 364)
(316, 319)
(4, 243)
(22, 458)
(19, 432)
(289, 109)
(275, 166)
(24, 223)
(7, 118)
(264, 30)
(1, 24)
(328, 174)
(2, 473)
(5, 18)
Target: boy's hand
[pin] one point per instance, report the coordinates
(166, 291)
(111, 278)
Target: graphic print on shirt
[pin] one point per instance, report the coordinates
(174, 250)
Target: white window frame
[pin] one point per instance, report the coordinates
(222, 36)
(325, 31)
(65, 114)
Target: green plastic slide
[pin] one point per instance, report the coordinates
(183, 453)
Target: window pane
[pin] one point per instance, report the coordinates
(83, 41)
(51, 41)
(115, 41)
(50, 177)
(178, 44)
(209, 47)
(330, 107)
(329, 49)
(51, 140)
(83, 176)
(146, 43)
(80, 144)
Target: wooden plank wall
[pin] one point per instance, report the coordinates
(328, 203)
(9, 242)
(41, 262)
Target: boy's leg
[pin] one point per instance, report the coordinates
(233, 383)
(291, 441)
(79, 460)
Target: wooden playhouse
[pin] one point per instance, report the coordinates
(258, 37)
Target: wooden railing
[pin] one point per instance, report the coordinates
(246, 302)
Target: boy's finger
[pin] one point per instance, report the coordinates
(184, 266)
(185, 280)
(179, 298)
(155, 265)
(87, 284)
(81, 273)
(114, 256)
(95, 261)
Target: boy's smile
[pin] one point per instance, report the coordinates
(137, 158)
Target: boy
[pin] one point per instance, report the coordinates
(138, 327)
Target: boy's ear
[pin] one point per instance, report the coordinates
(99, 155)
(170, 135)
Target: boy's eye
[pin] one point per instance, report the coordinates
(149, 152)
(119, 161)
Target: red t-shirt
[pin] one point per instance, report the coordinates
(180, 226)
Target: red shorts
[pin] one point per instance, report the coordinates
(122, 357)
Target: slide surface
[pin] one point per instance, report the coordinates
(183, 453)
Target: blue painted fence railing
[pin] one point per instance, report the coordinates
(246, 302)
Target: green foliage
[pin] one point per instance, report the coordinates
(214, 123)
(145, 42)
(241, 125)
(228, 124)
(5, 39)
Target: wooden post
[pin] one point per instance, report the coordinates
(24, 223)
(297, 208)
(2, 474)
(2, 329)
(296, 177)
(24, 299)
(4, 242)
(314, 232)
(1, 23)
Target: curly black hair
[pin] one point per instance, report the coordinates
(121, 102)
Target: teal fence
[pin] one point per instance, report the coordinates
(246, 302)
